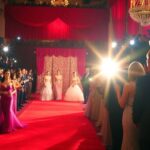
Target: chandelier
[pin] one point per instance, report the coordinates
(60, 3)
(140, 11)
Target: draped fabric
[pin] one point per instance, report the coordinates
(122, 22)
(45, 23)
(56, 23)
(79, 53)
(70, 64)
(118, 11)
(65, 59)
(52, 64)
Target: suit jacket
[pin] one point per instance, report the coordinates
(115, 117)
(85, 81)
(141, 106)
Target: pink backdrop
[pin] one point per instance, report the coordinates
(80, 54)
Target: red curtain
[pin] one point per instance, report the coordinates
(56, 23)
(80, 54)
(122, 22)
(118, 11)
(70, 23)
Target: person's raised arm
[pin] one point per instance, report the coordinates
(122, 99)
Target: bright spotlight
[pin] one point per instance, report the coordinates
(5, 48)
(109, 67)
(90, 79)
(114, 44)
(15, 61)
(18, 38)
(132, 42)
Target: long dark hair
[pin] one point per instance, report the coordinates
(6, 70)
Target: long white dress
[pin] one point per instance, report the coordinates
(74, 92)
(58, 87)
(130, 131)
(46, 92)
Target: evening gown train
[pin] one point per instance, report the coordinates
(8, 120)
(130, 131)
(74, 92)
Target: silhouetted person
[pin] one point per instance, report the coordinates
(141, 108)
(115, 116)
(85, 84)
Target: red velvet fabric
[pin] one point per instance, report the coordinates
(56, 23)
(65, 52)
(122, 23)
(70, 23)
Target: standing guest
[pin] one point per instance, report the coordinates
(24, 82)
(115, 117)
(85, 84)
(46, 92)
(1, 75)
(16, 86)
(92, 108)
(141, 107)
(34, 81)
(74, 92)
(27, 84)
(20, 90)
(10, 121)
(130, 131)
(58, 85)
(30, 77)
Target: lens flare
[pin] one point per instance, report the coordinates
(109, 67)
(5, 49)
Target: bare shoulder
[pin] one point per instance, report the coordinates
(127, 85)
(130, 87)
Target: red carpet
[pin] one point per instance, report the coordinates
(52, 126)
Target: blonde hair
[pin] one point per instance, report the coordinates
(148, 54)
(135, 70)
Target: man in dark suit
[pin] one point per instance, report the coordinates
(141, 108)
(115, 117)
(85, 84)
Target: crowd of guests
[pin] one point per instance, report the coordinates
(121, 110)
(15, 91)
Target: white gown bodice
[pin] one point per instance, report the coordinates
(47, 80)
(58, 78)
(46, 91)
(75, 80)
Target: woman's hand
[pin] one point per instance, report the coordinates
(117, 88)
(8, 93)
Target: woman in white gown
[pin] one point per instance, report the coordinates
(58, 85)
(130, 131)
(46, 92)
(74, 92)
